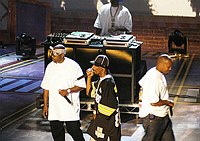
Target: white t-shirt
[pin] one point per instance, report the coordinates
(154, 88)
(123, 18)
(63, 76)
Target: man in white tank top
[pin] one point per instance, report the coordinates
(113, 19)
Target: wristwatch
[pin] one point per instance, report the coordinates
(68, 91)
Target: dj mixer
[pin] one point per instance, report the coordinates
(56, 38)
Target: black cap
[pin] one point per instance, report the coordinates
(101, 60)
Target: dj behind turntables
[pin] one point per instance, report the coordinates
(113, 19)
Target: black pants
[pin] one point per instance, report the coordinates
(158, 128)
(73, 128)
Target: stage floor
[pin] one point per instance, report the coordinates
(20, 85)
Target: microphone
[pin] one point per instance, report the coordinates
(68, 100)
(171, 111)
(84, 75)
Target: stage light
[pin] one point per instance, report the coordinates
(177, 43)
(26, 47)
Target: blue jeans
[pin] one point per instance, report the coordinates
(158, 128)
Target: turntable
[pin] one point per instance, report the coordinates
(123, 40)
(78, 38)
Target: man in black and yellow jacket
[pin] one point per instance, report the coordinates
(106, 124)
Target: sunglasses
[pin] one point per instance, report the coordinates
(54, 53)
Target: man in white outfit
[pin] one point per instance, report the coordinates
(113, 19)
(61, 95)
(155, 102)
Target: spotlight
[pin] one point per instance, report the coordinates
(178, 43)
(26, 47)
